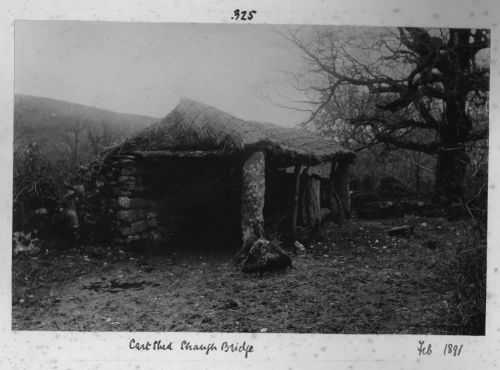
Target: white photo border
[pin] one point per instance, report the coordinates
(40, 350)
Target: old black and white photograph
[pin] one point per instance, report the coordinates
(250, 178)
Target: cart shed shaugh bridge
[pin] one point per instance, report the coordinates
(205, 175)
